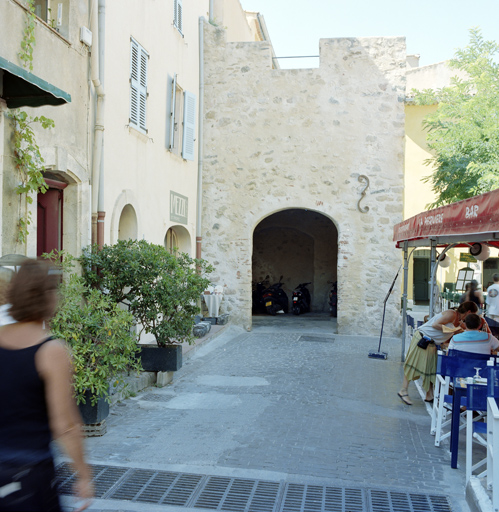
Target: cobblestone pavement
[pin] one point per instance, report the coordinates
(270, 404)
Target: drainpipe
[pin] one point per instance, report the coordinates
(210, 12)
(199, 212)
(97, 25)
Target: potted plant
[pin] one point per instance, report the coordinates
(98, 332)
(161, 290)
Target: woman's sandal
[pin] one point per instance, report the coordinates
(405, 398)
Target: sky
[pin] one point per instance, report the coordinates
(433, 28)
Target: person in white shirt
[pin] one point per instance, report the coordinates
(474, 340)
(493, 299)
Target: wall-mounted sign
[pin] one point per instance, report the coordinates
(466, 256)
(178, 208)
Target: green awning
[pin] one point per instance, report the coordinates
(24, 89)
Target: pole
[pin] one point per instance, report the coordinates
(404, 300)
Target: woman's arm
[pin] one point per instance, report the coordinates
(54, 366)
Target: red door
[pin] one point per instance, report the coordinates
(49, 221)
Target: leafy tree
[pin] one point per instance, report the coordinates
(463, 132)
(161, 290)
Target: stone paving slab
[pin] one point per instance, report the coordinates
(267, 403)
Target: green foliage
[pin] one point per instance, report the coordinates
(98, 332)
(28, 41)
(463, 132)
(28, 161)
(161, 290)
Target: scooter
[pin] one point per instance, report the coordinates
(333, 299)
(300, 299)
(257, 296)
(275, 299)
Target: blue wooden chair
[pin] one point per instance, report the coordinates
(493, 434)
(455, 364)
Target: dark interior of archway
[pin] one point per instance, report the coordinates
(300, 245)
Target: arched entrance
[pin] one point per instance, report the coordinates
(302, 246)
(127, 229)
(178, 239)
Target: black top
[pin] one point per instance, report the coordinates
(24, 427)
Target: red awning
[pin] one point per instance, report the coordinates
(476, 216)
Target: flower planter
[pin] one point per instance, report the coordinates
(92, 414)
(161, 359)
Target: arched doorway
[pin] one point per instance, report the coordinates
(178, 239)
(127, 227)
(302, 246)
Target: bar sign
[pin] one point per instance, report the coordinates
(178, 208)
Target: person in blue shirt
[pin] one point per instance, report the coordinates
(473, 339)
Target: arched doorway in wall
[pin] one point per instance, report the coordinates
(302, 246)
(178, 239)
(127, 228)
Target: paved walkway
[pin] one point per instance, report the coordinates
(272, 405)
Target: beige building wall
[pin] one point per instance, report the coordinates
(277, 140)
(62, 60)
(417, 193)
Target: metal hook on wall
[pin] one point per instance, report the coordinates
(363, 178)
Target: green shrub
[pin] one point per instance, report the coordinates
(99, 334)
(160, 289)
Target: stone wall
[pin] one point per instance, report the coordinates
(276, 140)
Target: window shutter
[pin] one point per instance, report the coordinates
(172, 118)
(144, 59)
(177, 15)
(189, 132)
(138, 85)
(134, 83)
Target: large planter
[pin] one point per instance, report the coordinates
(92, 414)
(161, 359)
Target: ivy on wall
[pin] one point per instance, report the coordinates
(27, 156)
(29, 165)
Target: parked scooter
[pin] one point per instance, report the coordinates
(257, 296)
(333, 299)
(300, 299)
(275, 299)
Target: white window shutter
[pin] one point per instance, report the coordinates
(144, 59)
(189, 133)
(172, 116)
(134, 83)
(138, 85)
(177, 15)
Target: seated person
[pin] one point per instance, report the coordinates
(473, 339)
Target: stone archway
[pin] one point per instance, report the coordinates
(302, 246)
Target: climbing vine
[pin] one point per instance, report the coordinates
(27, 156)
(28, 41)
(29, 165)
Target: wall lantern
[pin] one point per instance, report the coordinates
(444, 260)
(480, 251)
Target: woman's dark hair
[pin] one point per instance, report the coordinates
(472, 321)
(29, 291)
(467, 306)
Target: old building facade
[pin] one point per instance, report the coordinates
(303, 173)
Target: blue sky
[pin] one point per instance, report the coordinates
(433, 28)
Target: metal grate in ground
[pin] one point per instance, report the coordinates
(154, 397)
(323, 339)
(244, 494)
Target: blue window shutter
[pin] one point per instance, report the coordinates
(189, 133)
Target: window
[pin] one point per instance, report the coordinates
(182, 125)
(177, 15)
(55, 13)
(138, 86)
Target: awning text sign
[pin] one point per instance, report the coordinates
(479, 214)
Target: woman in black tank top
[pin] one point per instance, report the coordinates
(36, 398)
